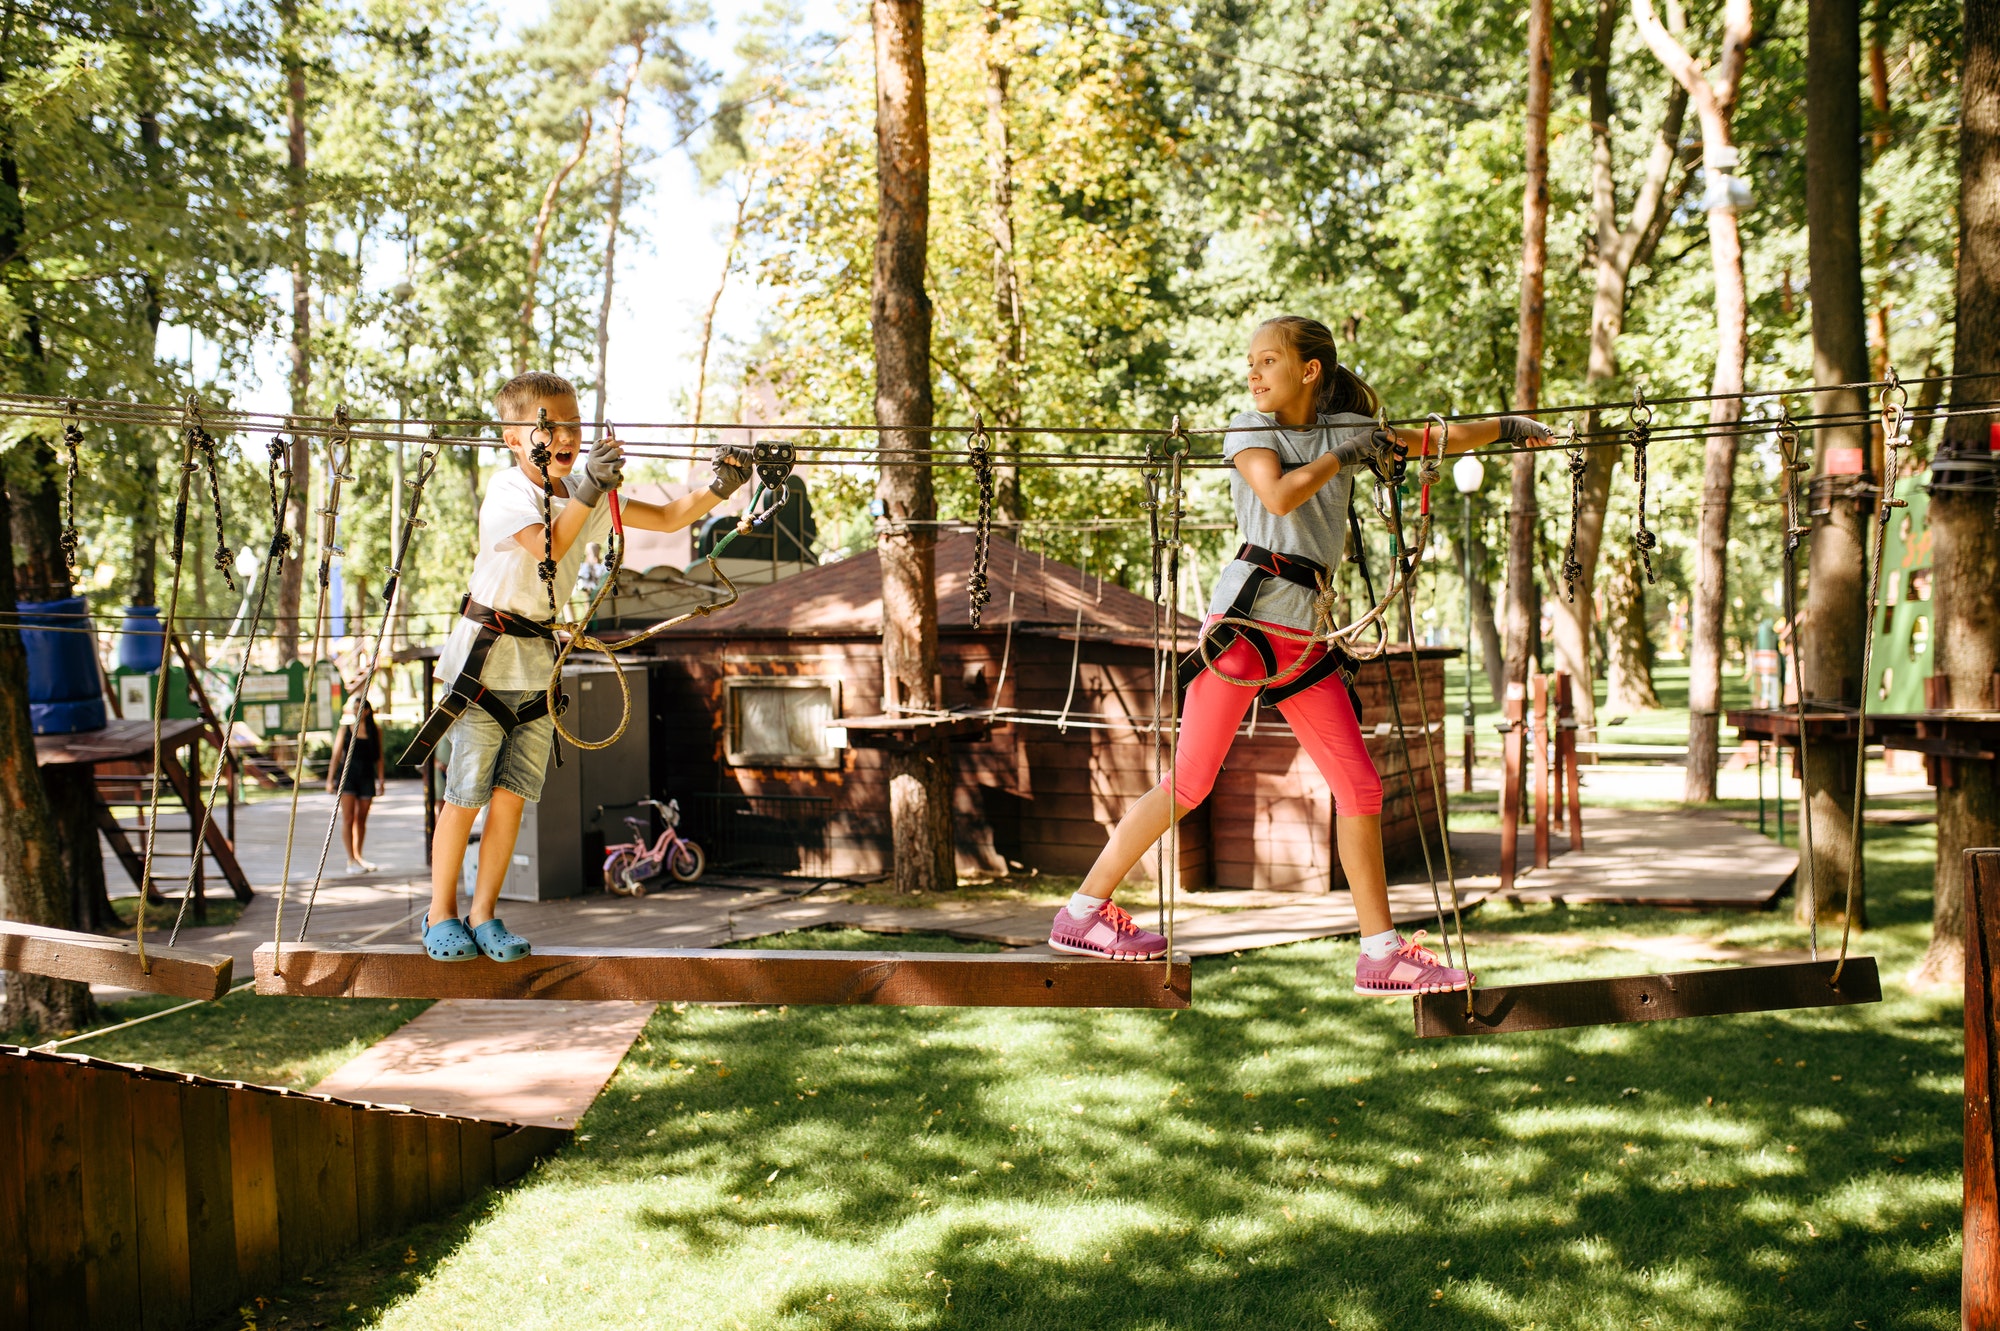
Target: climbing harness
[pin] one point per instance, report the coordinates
(339, 447)
(280, 542)
(1572, 567)
(72, 435)
(412, 523)
(980, 448)
(190, 427)
(1641, 434)
(1793, 467)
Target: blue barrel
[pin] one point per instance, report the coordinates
(65, 695)
(142, 639)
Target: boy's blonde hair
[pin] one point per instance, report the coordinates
(517, 397)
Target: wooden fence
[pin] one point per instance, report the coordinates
(131, 1197)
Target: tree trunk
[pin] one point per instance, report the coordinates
(1965, 548)
(33, 885)
(1836, 604)
(1523, 601)
(920, 776)
(538, 247)
(611, 231)
(1628, 683)
(1009, 316)
(291, 585)
(714, 304)
(1492, 655)
(1618, 250)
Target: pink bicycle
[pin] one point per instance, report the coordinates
(629, 864)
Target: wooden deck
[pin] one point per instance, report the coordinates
(1694, 861)
(540, 1063)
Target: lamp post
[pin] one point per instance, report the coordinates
(1468, 474)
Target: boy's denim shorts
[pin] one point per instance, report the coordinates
(484, 756)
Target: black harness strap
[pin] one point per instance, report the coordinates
(1264, 566)
(467, 691)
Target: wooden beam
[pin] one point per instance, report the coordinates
(95, 959)
(1629, 998)
(693, 975)
(1980, 1293)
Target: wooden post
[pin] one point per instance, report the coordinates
(1566, 727)
(1513, 737)
(1541, 743)
(1980, 1296)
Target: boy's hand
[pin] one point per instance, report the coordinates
(1522, 429)
(732, 470)
(603, 470)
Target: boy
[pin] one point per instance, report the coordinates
(497, 661)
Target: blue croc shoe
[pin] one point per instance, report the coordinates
(449, 940)
(499, 943)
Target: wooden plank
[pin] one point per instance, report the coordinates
(374, 1174)
(110, 1214)
(52, 1231)
(340, 1222)
(1979, 1299)
(13, 1189)
(695, 975)
(159, 1186)
(515, 1150)
(475, 1156)
(1512, 742)
(1630, 998)
(253, 1189)
(95, 959)
(211, 1203)
(301, 1240)
(441, 1143)
(410, 1176)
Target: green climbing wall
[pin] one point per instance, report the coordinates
(1903, 637)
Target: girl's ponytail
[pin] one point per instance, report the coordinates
(1341, 390)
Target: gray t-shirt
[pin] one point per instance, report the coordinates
(1315, 530)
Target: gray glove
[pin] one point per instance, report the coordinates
(1375, 448)
(732, 470)
(603, 470)
(1522, 429)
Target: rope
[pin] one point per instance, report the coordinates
(1572, 567)
(72, 437)
(190, 425)
(1793, 465)
(426, 465)
(1170, 882)
(1075, 660)
(1896, 431)
(980, 449)
(1643, 539)
(280, 542)
(337, 457)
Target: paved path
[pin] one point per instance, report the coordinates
(511, 1060)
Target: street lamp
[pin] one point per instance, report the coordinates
(1468, 474)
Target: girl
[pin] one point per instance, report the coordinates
(364, 775)
(1294, 460)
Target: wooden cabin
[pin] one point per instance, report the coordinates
(749, 702)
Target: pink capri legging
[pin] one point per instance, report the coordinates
(1322, 717)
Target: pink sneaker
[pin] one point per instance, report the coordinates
(1107, 932)
(1410, 969)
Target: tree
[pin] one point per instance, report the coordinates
(1836, 607)
(920, 776)
(1965, 545)
(292, 58)
(1009, 313)
(1714, 98)
(1523, 536)
(1619, 249)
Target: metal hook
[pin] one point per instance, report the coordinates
(1639, 405)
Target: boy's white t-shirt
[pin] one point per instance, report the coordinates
(504, 577)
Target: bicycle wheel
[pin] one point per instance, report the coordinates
(615, 870)
(687, 862)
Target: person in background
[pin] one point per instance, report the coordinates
(359, 780)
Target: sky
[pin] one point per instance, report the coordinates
(665, 278)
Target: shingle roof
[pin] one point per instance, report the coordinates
(846, 598)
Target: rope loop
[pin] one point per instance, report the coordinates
(72, 434)
(541, 452)
(1644, 542)
(1572, 566)
(278, 475)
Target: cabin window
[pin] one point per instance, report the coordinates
(782, 722)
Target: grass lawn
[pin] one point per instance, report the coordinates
(1283, 1155)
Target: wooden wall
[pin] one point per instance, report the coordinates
(131, 1197)
(1030, 795)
